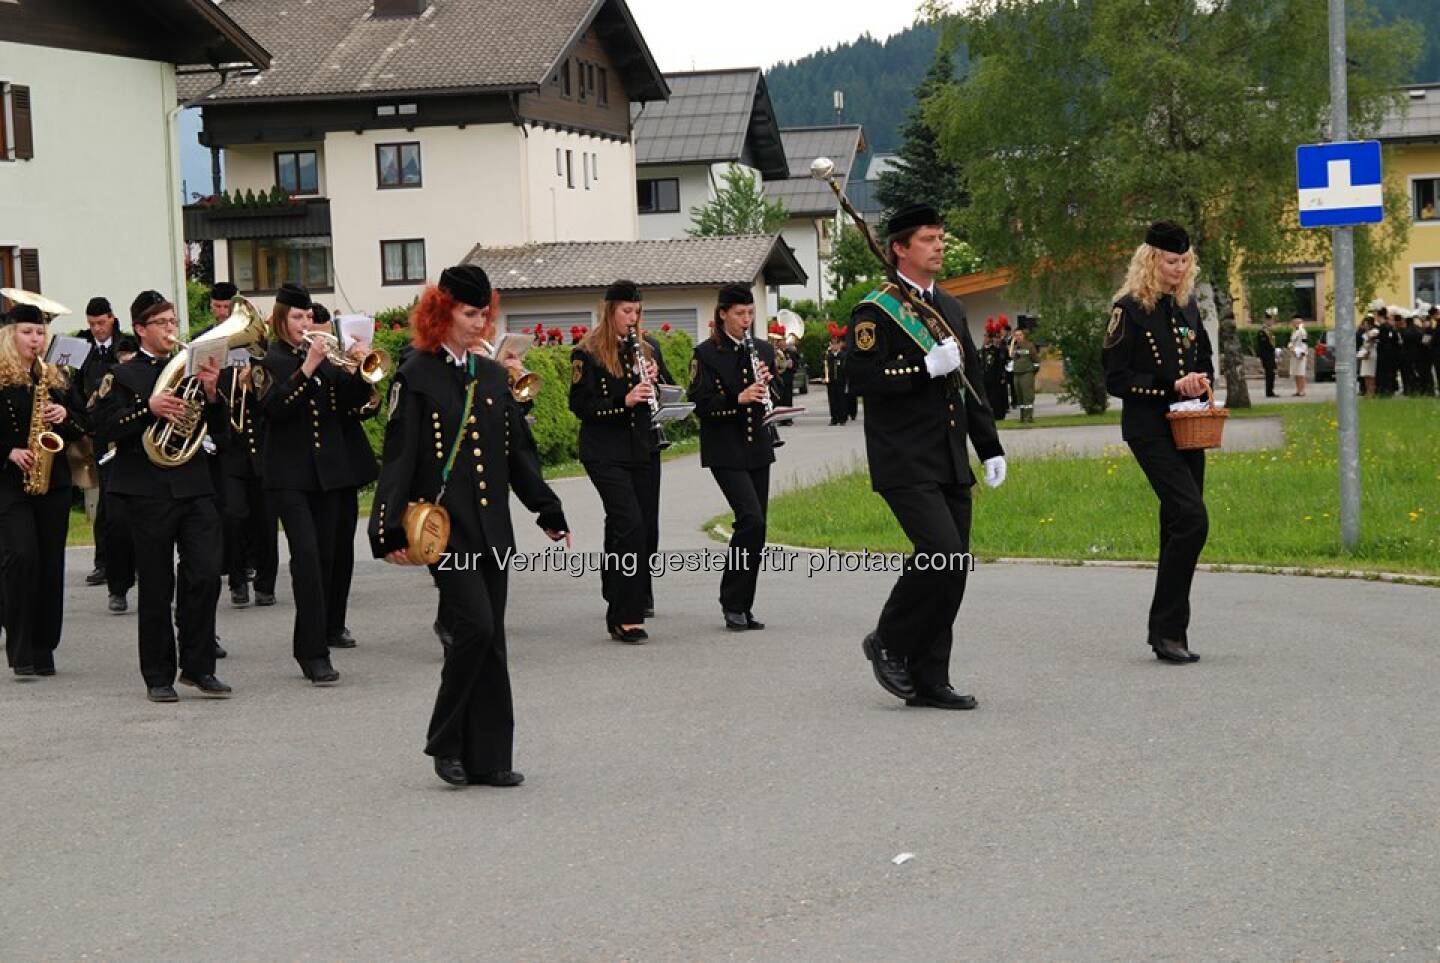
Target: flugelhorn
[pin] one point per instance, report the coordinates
(524, 384)
(373, 367)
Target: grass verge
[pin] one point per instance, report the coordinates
(1276, 507)
(1111, 416)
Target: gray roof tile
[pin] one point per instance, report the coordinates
(592, 265)
(707, 119)
(802, 194)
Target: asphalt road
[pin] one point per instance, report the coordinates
(718, 796)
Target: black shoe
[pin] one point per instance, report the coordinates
(209, 686)
(162, 693)
(320, 672)
(220, 652)
(96, 576)
(451, 770)
(736, 621)
(263, 599)
(45, 670)
(118, 605)
(1168, 650)
(444, 635)
(649, 612)
(343, 641)
(24, 671)
(942, 698)
(504, 778)
(240, 597)
(890, 671)
(752, 623)
(635, 636)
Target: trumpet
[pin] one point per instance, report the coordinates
(524, 384)
(374, 367)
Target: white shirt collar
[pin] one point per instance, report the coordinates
(930, 290)
(104, 344)
(148, 354)
(458, 361)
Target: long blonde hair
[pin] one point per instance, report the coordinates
(12, 368)
(1142, 278)
(602, 342)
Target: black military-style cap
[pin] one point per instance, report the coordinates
(144, 303)
(223, 291)
(1168, 236)
(623, 291)
(911, 216)
(98, 307)
(733, 294)
(293, 295)
(467, 284)
(23, 314)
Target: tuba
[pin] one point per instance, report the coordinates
(43, 444)
(170, 444)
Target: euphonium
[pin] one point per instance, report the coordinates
(170, 444)
(524, 384)
(373, 367)
(44, 444)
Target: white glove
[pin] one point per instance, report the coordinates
(995, 471)
(943, 358)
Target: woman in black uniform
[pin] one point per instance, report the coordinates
(304, 401)
(32, 526)
(1157, 353)
(455, 438)
(611, 395)
(729, 393)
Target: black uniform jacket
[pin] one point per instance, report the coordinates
(306, 447)
(1265, 349)
(121, 413)
(834, 367)
(1145, 353)
(495, 456)
(16, 408)
(915, 430)
(98, 363)
(732, 435)
(610, 433)
(240, 458)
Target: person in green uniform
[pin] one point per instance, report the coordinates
(1025, 362)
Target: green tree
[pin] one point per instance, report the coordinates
(924, 173)
(1079, 121)
(851, 260)
(739, 207)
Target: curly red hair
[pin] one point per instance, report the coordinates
(430, 319)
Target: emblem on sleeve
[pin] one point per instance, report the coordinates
(865, 335)
(694, 368)
(260, 380)
(577, 371)
(1112, 330)
(394, 399)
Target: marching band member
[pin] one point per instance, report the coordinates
(1156, 353)
(102, 334)
(251, 527)
(306, 468)
(454, 440)
(918, 414)
(611, 396)
(33, 523)
(729, 391)
(168, 508)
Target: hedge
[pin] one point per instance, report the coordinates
(1249, 333)
(556, 430)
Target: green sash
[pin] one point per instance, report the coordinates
(899, 312)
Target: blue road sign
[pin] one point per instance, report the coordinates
(1340, 184)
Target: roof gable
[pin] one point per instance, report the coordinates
(712, 116)
(181, 32)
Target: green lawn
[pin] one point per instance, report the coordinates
(1112, 416)
(1267, 508)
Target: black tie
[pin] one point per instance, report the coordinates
(929, 297)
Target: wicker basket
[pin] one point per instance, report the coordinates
(1198, 429)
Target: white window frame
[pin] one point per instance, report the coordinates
(1410, 196)
(1419, 265)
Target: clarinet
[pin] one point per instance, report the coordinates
(658, 441)
(775, 440)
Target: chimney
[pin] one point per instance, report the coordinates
(399, 8)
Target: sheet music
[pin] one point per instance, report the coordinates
(205, 352)
(67, 351)
(355, 329)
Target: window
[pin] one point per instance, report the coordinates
(9, 257)
(659, 196)
(595, 166)
(297, 171)
(397, 165)
(1427, 284)
(261, 266)
(570, 168)
(585, 163)
(559, 162)
(402, 262)
(1427, 198)
(17, 139)
(603, 89)
(565, 80)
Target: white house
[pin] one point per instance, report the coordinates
(89, 160)
(815, 214)
(684, 146)
(412, 134)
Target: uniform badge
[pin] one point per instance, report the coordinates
(694, 368)
(260, 379)
(394, 401)
(100, 392)
(577, 371)
(1112, 330)
(865, 335)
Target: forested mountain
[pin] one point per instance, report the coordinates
(878, 78)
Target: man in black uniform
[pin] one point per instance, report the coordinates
(918, 412)
(101, 334)
(169, 508)
(1265, 348)
(835, 378)
(1414, 364)
(1389, 354)
(251, 528)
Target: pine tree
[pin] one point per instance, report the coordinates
(923, 175)
(739, 207)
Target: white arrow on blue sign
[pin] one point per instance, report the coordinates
(1340, 184)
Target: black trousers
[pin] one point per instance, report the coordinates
(161, 527)
(918, 619)
(625, 575)
(839, 406)
(347, 515)
(101, 517)
(1269, 378)
(119, 543)
(310, 529)
(1178, 478)
(474, 718)
(748, 493)
(251, 533)
(650, 507)
(32, 576)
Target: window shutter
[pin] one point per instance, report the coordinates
(24, 136)
(30, 269)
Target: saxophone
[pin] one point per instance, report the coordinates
(43, 444)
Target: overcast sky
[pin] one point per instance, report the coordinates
(690, 35)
